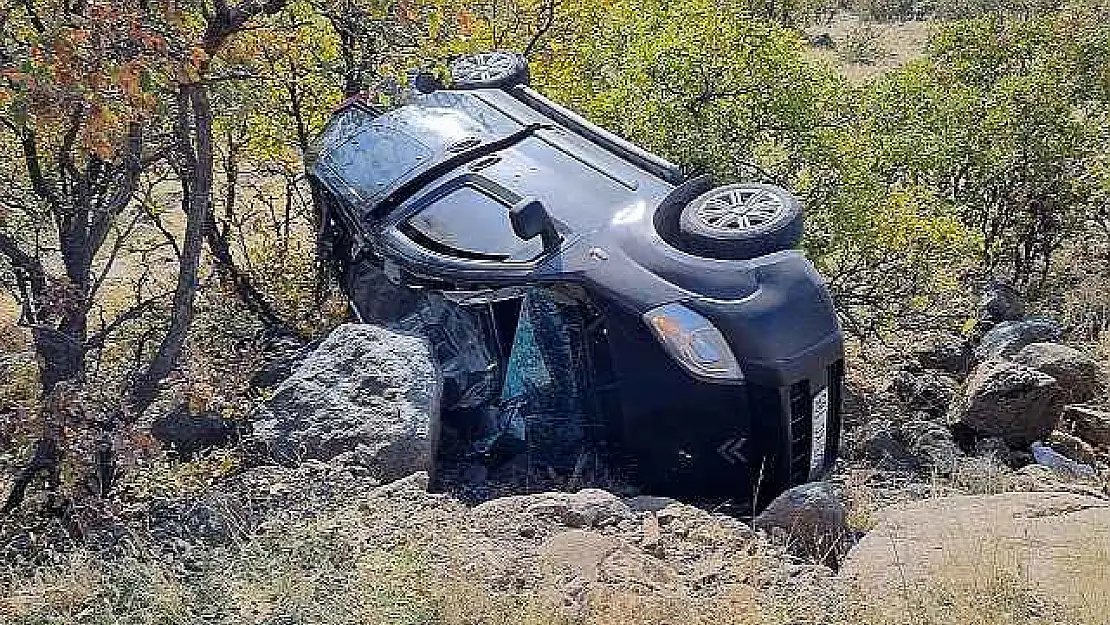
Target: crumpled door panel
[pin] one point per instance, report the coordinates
(542, 407)
(536, 400)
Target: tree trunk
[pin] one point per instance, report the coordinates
(196, 154)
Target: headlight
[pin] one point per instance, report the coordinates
(694, 343)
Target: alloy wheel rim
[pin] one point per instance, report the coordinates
(740, 210)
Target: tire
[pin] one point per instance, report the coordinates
(741, 222)
(498, 69)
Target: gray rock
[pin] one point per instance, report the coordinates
(188, 434)
(1091, 424)
(930, 392)
(876, 441)
(811, 516)
(367, 391)
(592, 507)
(1007, 338)
(1001, 302)
(1037, 538)
(950, 353)
(931, 445)
(1077, 373)
(1009, 400)
(586, 508)
(908, 446)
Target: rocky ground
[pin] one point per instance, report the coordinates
(972, 489)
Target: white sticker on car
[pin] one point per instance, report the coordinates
(820, 433)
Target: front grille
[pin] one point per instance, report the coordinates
(801, 431)
(803, 465)
(836, 389)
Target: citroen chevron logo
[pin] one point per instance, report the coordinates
(732, 451)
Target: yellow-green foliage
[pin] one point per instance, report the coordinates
(707, 84)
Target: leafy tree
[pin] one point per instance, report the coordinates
(94, 95)
(1002, 121)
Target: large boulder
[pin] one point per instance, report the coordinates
(1077, 373)
(811, 517)
(949, 546)
(368, 393)
(1009, 400)
(1007, 338)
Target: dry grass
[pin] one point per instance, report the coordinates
(888, 45)
(328, 572)
(995, 583)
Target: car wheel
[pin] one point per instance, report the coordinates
(741, 221)
(489, 70)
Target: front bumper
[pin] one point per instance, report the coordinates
(743, 442)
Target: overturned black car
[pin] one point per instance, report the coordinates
(579, 290)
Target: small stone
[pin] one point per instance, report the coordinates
(930, 392)
(1001, 302)
(1091, 424)
(950, 353)
(876, 442)
(931, 444)
(652, 533)
(812, 515)
(597, 507)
